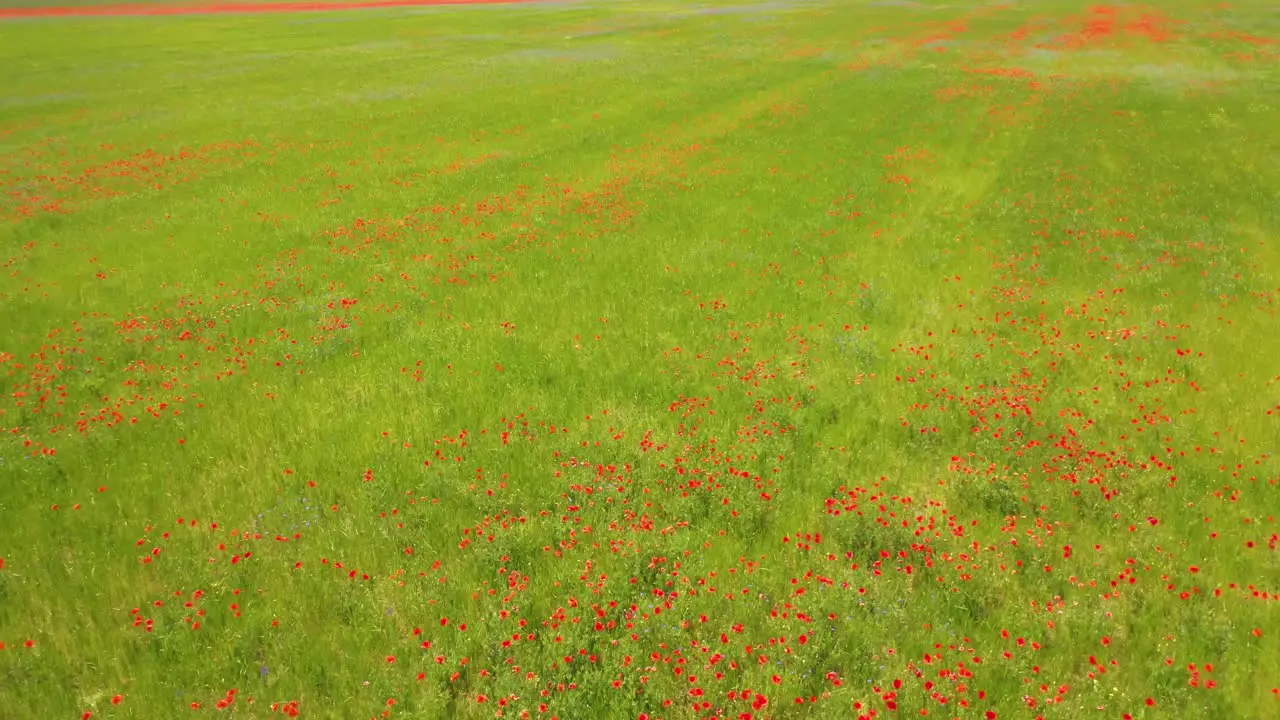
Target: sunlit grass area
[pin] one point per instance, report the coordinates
(633, 359)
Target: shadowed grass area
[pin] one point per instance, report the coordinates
(627, 359)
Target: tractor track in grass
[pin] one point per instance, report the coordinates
(247, 8)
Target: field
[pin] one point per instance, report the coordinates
(638, 359)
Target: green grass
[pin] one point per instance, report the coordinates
(861, 355)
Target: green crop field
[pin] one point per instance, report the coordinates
(631, 359)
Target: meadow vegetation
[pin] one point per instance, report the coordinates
(632, 359)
